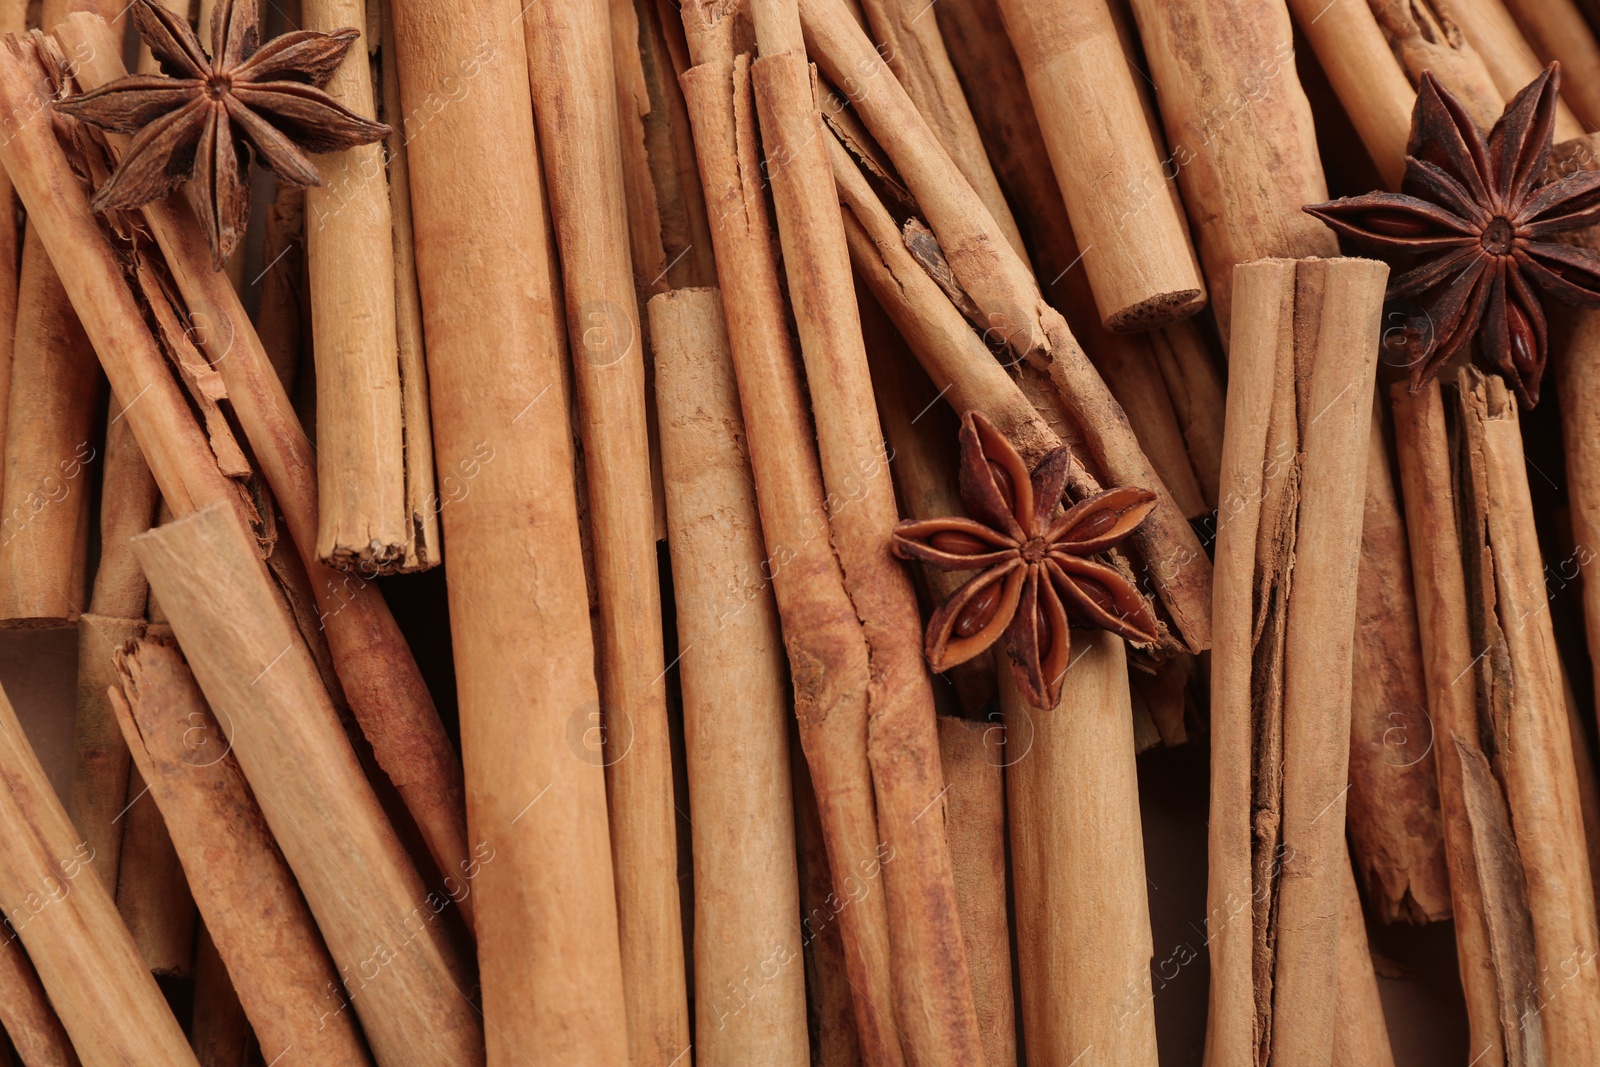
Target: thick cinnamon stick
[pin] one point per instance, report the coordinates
(933, 997)
(253, 909)
(574, 90)
(1135, 239)
(823, 635)
(256, 672)
(1083, 919)
(114, 1012)
(44, 505)
(750, 988)
(386, 691)
(547, 934)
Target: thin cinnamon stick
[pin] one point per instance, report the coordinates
(749, 985)
(386, 691)
(395, 963)
(1360, 1033)
(976, 825)
(253, 909)
(574, 89)
(1558, 33)
(152, 892)
(44, 505)
(1003, 289)
(220, 1031)
(1136, 242)
(283, 329)
(1083, 920)
(112, 1009)
(27, 1015)
(547, 935)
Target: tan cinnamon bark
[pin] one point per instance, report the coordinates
(547, 936)
(750, 988)
(27, 1015)
(361, 474)
(1360, 1033)
(1519, 676)
(128, 500)
(152, 894)
(258, 676)
(1512, 63)
(574, 90)
(1558, 33)
(1427, 37)
(385, 689)
(915, 50)
(1083, 920)
(252, 906)
(933, 997)
(976, 825)
(1299, 403)
(65, 918)
(44, 506)
(1136, 242)
(1004, 291)
(824, 639)
(220, 1032)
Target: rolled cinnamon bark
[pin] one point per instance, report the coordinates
(1558, 33)
(976, 824)
(152, 894)
(65, 917)
(1360, 1033)
(220, 1031)
(933, 997)
(1512, 64)
(395, 962)
(1083, 918)
(749, 983)
(827, 648)
(1299, 404)
(27, 1015)
(1135, 240)
(44, 505)
(253, 909)
(574, 91)
(1005, 293)
(1427, 38)
(547, 927)
(280, 322)
(386, 691)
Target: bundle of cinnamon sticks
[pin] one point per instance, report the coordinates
(600, 532)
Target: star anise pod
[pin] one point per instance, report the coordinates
(1476, 216)
(195, 118)
(1036, 571)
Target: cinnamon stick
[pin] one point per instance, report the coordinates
(280, 322)
(749, 986)
(152, 893)
(1136, 243)
(220, 1031)
(44, 505)
(1083, 919)
(1360, 1033)
(1428, 38)
(1003, 290)
(574, 89)
(933, 997)
(1558, 33)
(826, 646)
(261, 681)
(253, 909)
(547, 934)
(114, 1012)
(1493, 33)
(386, 691)
(26, 1013)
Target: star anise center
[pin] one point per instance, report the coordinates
(218, 85)
(1034, 550)
(1497, 236)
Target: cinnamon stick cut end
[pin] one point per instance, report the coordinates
(1159, 310)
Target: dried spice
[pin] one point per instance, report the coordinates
(1036, 571)
(195, 118)
(1476, 218)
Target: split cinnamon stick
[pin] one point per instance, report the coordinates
(152, 893)
(26, 1013)
(933, 997)
(1428, 38)
(395, 963)
(1135, 240)
(112, 1009)
(1003, 289)
(749, 984)
(1083, 919)
(44, 505)
(827, 649)
(386, 691)
(547, 926)
(1299, 408)
(128, 499)
(253, 909)
(976, 824)
(574, 90)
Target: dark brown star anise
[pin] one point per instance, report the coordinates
(195, 118)
(1036, 574)
(1476, 216)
